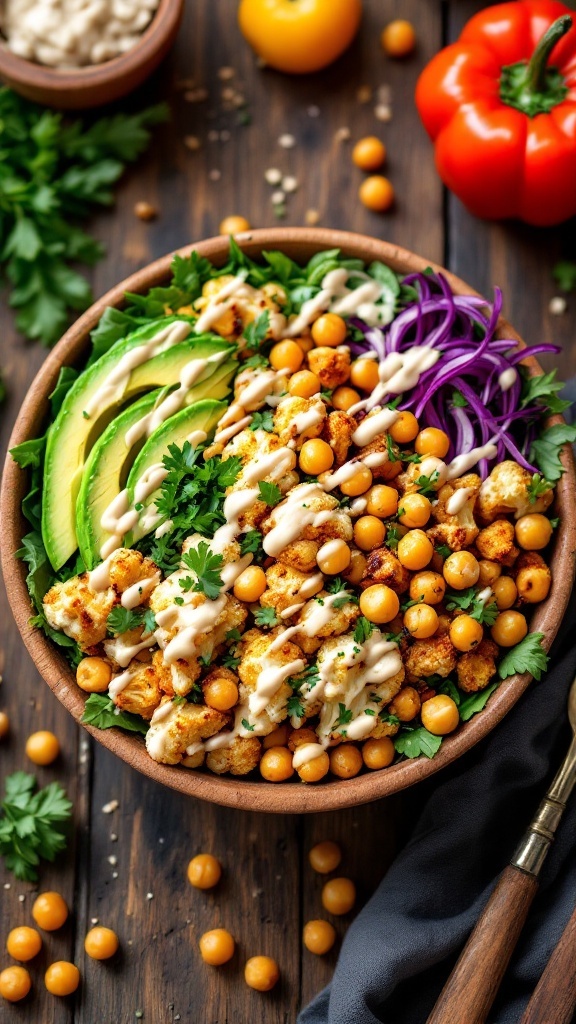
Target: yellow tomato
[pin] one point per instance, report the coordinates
(299, 36)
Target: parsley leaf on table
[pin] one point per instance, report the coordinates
(270, 493)
(413, 742)
(545, 451)
(28, 821)
(206, 565)
(101, 712)
(527, 656)
(51, 175)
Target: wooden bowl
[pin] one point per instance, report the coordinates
(300, 244)
(93, 86)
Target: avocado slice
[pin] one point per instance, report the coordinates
(94, 399)
(202, 415)
(108, 464)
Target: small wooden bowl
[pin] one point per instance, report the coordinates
(300, 244)
(98, 84)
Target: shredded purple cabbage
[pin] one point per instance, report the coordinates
(462, 328)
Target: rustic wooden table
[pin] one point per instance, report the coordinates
(127, 868)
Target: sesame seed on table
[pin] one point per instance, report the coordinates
(247, 142)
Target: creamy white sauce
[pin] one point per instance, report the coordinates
(220, 303)
(292, 516)
(311, 417)
(462, 463)
(363, 301)
(374, 424)
(310, 587)
(331, 548)
(358, 506)
(121, 515)
(99, 578)
(253, 391)
(138, 592)
(332, 480)
(306, 752)
(399, 372)
(457, 501)
(119, 683)
(270, 679)
(122, 652)
(507, 378)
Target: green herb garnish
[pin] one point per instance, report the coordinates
(29, 823)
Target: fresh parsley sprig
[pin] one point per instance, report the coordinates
(206, 565)
(101, 712)
(120, 620)
(467, 601)
(29, 820)
(270, 493)
(527, 656)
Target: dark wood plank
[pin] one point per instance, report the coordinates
(517, 258)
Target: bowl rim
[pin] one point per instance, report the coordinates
(225, 790)
(58, 81)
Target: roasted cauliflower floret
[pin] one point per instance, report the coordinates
(387, 469)
(435, 656)
(252, 446)
(256, 658)
(284, 585)
(505, 492)
(341, 619)
(331, 365)
(301, 555)
(232, 615)
(496, 542)
(179, 678)
(432, 468)
(142, 694)
(74, 609)
(337, 432)
(533, 577)
(382, 566)
(298, 419)
(476, 668)
(128, 567)
(123, 648)
(247, 304)
(455, 523)
(240, 758)
(180, 727)
(337, 525)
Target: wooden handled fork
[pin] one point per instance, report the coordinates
(472, 986)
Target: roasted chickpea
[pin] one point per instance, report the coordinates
(461, 570)
(406, 704)
(398, 38)
(358, 484)
(304, 384)
(357, 567)
(4, 725)
(49, 910)
(250, 584)
(533, 584)
(364, 373)
(345, 761)
(465, 632)
(261, 973)
(415, 550)
(319, 937)
(329, 330)
(277, 738)
(339, 896)
(405, 428)
(299, 736)
(439, 715)
(428, 586)
(432, 441)
(415, 510)
(378, 753)
(379, 603)
(306, 344)
(101, 943)
(421, 621)
(533, 532)
(286, 355)
(489, 572)
(23, 943)
(15, 984)
(276, 764)
(233, 225)
(369, 153)
(216, 947)
(325, 857)
(62, 978)
(376, 193)
(369, 533)
(333, 557)
(505, 592)
(509, 629)
(316, 769)
(42, 747)
(382, 501)
(220, 693)
(204, 871)
(344, 398)
(93, 675)
(316, 456)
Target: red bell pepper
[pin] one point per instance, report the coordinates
(500, 105)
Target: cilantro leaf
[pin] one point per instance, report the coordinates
(386, 716)
(343, 600)
(230, 660)
(270, 493)
(295, 706)
(537, 487)
(344, 717)
(475, 702)
(265, 617)
(458, 399)
(485, 612)
(246, 725)
(101, 712)
(405, 605)
(443, 550)
(262, 421)
(28, 824)
(427, 484)
(527, 656)
(545, 451)
(392, 537)
(363, 630)
(205, 564)
(451, 690)
(393, 452)
(542, 390)
(255, 333)
(414, 742)
(251, 543)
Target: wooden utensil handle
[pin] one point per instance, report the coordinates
(470, 990)
(554, 998)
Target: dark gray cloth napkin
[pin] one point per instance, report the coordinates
(468, 820)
